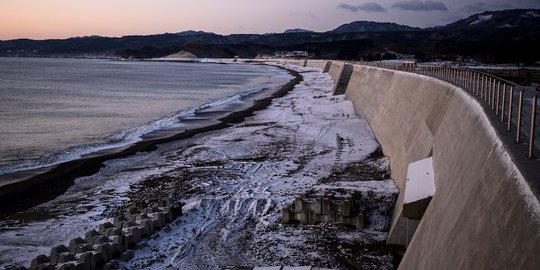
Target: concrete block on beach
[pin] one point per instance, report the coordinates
(311, 217)
(332, 216)
(90, 234)
(346, 208)
(304, 217)
(122, 222)
(132, 210)
(168, 213)
(159, 220)
(339, 217)
(316, 206)
(106, 252)
(324, 207)
(116, 249)
(105, 226)
(58, 250)
(147, 227)
(110, 265)
(39, 261)
(78, 245)
(67, 266)
(98, 239)
(119, 218)
(150, 210)
(62, 258)
(173, 211)
(136, 232)
(83, 248)
(19, 268)
(162, 203)
(127, 255)
(98, 257)
(177, 209)
(141, 217)
(111, 240)
(359, 221)
(110, 232)
(298, 205)
(76, 241)
(285, 216)
(130, 217)
(86, 261)
(119, 243)
(130, 243)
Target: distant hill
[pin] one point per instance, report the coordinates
(367, 26)
(509, 36)
(297, 30)
(192, 33)
(181, 54)
(491, 20)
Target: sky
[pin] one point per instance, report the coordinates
(45, 19)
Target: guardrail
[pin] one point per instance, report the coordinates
(497, 94)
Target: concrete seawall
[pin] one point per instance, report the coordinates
(483, 215)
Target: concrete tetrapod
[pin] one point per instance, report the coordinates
(102, 248)
(328, 208)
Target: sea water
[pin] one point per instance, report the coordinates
(56, 110)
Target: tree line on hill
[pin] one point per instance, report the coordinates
(510, 36)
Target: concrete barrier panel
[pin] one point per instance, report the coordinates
(320, 64)
(483, 214)
(335, 70)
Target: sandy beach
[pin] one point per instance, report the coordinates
(233, 182)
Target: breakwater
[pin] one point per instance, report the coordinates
(485, 213)
(111, 242)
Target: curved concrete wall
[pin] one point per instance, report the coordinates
(483, 214)
(335, 69)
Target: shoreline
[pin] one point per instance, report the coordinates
(233, 184)
(45, 186)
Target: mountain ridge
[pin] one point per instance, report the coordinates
(370, 26)
(484, 36)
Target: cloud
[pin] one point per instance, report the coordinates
(480, 6)
(371, 7)
(420, 6)
(368, 7)
(347, 7)
(475, 7)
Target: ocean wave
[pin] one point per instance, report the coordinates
(124, 137)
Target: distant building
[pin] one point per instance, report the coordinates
(291, 54)
(408, 65)
(263, 56)
(300, 54)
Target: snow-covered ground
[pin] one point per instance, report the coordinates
(233, 184)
